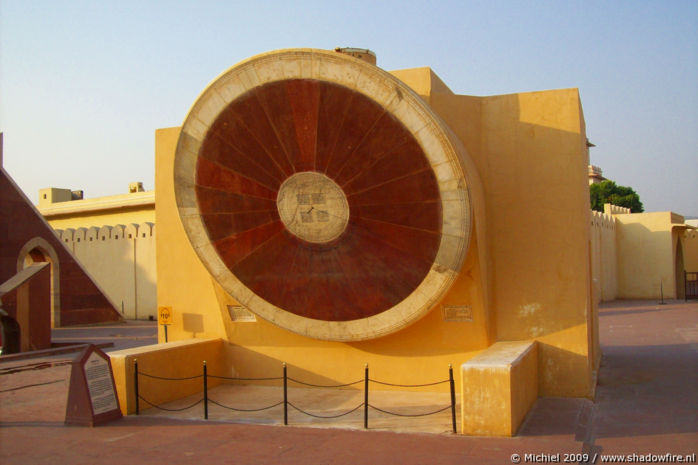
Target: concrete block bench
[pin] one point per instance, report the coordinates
(498, 388)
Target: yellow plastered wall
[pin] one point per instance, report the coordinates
(423, 81)
(183, 282)
(530, 151)
(653, 272)
(603, 252)
(137, 215)
(690, 250)
(145, 271)
(158, 361)
(121, 259)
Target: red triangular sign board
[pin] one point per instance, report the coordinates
(92, 398)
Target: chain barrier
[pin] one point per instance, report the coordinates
(246, 379)
(327, 416)
(140, 373)
(285, 402)
(244, 409)
(409, 385)
(409, 415)
(170, 409)
(325, 385)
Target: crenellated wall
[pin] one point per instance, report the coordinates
(603, 256)
(610, 209)
(130, 277)
(640, 255)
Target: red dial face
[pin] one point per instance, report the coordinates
(318, 200)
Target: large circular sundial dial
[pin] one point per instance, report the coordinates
(322, 194)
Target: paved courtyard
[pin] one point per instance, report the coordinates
(646, 402)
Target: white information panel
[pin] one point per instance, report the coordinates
(100, 385)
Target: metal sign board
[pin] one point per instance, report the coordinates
(165, 315)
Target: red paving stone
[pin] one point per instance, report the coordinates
(647, 394)
(646, 402)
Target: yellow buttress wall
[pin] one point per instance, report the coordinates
(646, 275)
(530, 151)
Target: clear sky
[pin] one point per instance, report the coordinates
(84, 84)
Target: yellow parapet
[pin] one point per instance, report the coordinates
(179, 359)
(498, 388)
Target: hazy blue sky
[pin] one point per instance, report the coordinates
(84, 84)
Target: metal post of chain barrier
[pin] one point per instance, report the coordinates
(205, 392)
(453, 397)
(285, 396)
(366, 396)
(661, 292)
(135, 382)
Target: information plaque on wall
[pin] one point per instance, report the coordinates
(240, 314)
(457, 313)
(92, 396)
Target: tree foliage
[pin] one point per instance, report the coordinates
(609, 192)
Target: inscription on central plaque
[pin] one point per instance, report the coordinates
(313, 207)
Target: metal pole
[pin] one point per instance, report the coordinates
(135, 278)
(685, 286)
(661, 292)
(165, 332)
(135, 382)
(285, 396)
(453, 397)
(205, 392)
(366, 396)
